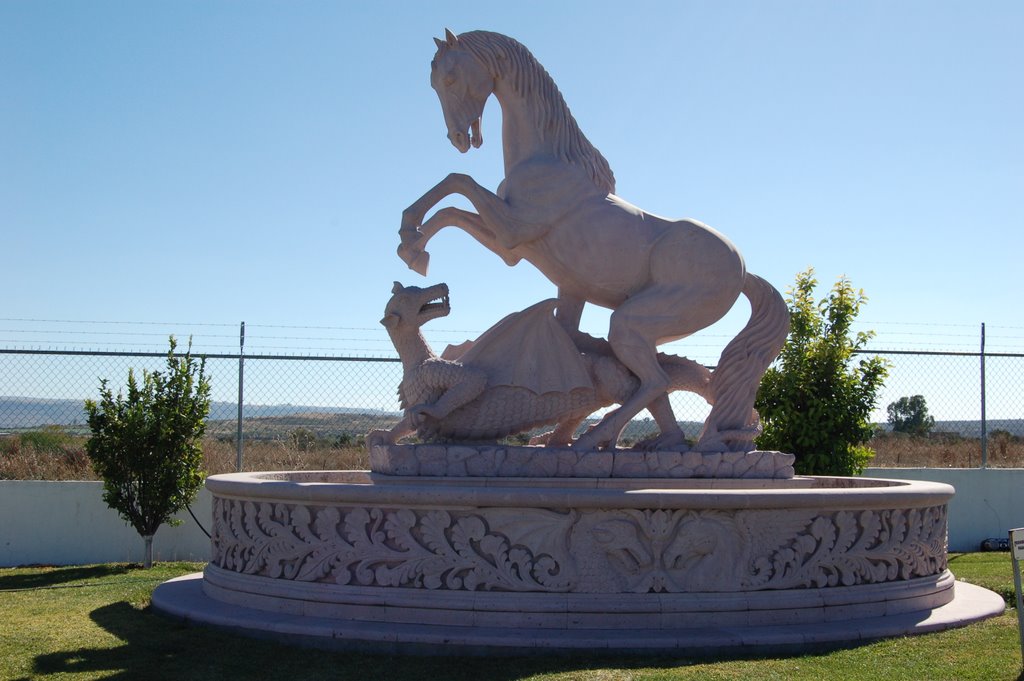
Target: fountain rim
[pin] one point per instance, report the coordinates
(355, 487)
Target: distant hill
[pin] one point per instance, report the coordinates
(973, 428)
(19, 413)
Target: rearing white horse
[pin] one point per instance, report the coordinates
(556, 208)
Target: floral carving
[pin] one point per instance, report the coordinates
(848, 548)
(378, 547)
(694, 551)
(597, 551)
(672, 550)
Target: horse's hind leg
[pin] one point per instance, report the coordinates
(642, 360)
(670, 435)
(636, 326)
(660, 313)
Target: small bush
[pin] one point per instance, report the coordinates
(815, 402)
(147, 446)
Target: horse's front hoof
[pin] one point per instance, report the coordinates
(420, 263)
(588, 442)
(417, 260)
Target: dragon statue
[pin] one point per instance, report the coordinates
(524, 373)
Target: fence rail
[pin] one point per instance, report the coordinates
(973, 396)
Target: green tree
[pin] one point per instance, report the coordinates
(815, 402)
(910, 415)
(147, 445)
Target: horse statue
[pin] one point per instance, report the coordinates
(663, 279)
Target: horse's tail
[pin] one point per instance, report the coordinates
(735, 381)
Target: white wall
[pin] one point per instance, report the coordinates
(67, 523)
(988, 502)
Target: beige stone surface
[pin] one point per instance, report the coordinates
(511, 565)
(556, 208)
(484, 548)
(584, 539)
(523, 373)
(545, 462)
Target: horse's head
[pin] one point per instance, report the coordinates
(463, 85)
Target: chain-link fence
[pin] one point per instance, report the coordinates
(299, 402)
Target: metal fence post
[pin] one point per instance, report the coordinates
(241, 386)
(984, 424)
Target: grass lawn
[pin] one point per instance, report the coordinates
(93, 622)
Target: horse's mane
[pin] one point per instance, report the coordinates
(508, 59)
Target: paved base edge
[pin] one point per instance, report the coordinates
(184, 598)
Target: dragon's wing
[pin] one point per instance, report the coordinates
(529, 349)
(454, 353)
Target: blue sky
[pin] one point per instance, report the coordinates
(213, 162)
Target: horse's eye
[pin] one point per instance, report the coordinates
(449, 79)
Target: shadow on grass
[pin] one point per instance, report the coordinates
(156, 647)
(151, 646)
(61, 576)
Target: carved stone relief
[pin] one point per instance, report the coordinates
(579, 551)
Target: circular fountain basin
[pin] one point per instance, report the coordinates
(470, 564)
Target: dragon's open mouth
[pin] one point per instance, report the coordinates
(439, 304)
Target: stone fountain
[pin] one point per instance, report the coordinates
(458, 543)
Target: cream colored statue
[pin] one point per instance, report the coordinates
(556, 208)
(523, 373)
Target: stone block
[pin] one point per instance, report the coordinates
(765, 466)
(732, 458)
(433, 459)
(626, 464)
(741, 468)
(379, 459)
(712, 460)
(691, 460)
(595, 465)
(566, 461)
(403, 461)
(660, 464)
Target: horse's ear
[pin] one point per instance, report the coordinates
(450, 37)
(440, 43)
(397, 288)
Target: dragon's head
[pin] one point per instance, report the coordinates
(413, 306)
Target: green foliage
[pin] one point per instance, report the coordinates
(147, 445)
(303, 439)
(46, 439)
(89, 622)
(814, 401)
(910, 415)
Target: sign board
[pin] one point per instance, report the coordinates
(1017, 551)
(1017, 540)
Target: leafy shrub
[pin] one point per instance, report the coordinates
(815, 402)
(147, 446)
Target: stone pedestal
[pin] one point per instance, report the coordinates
(355, 559)
(506, 461)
